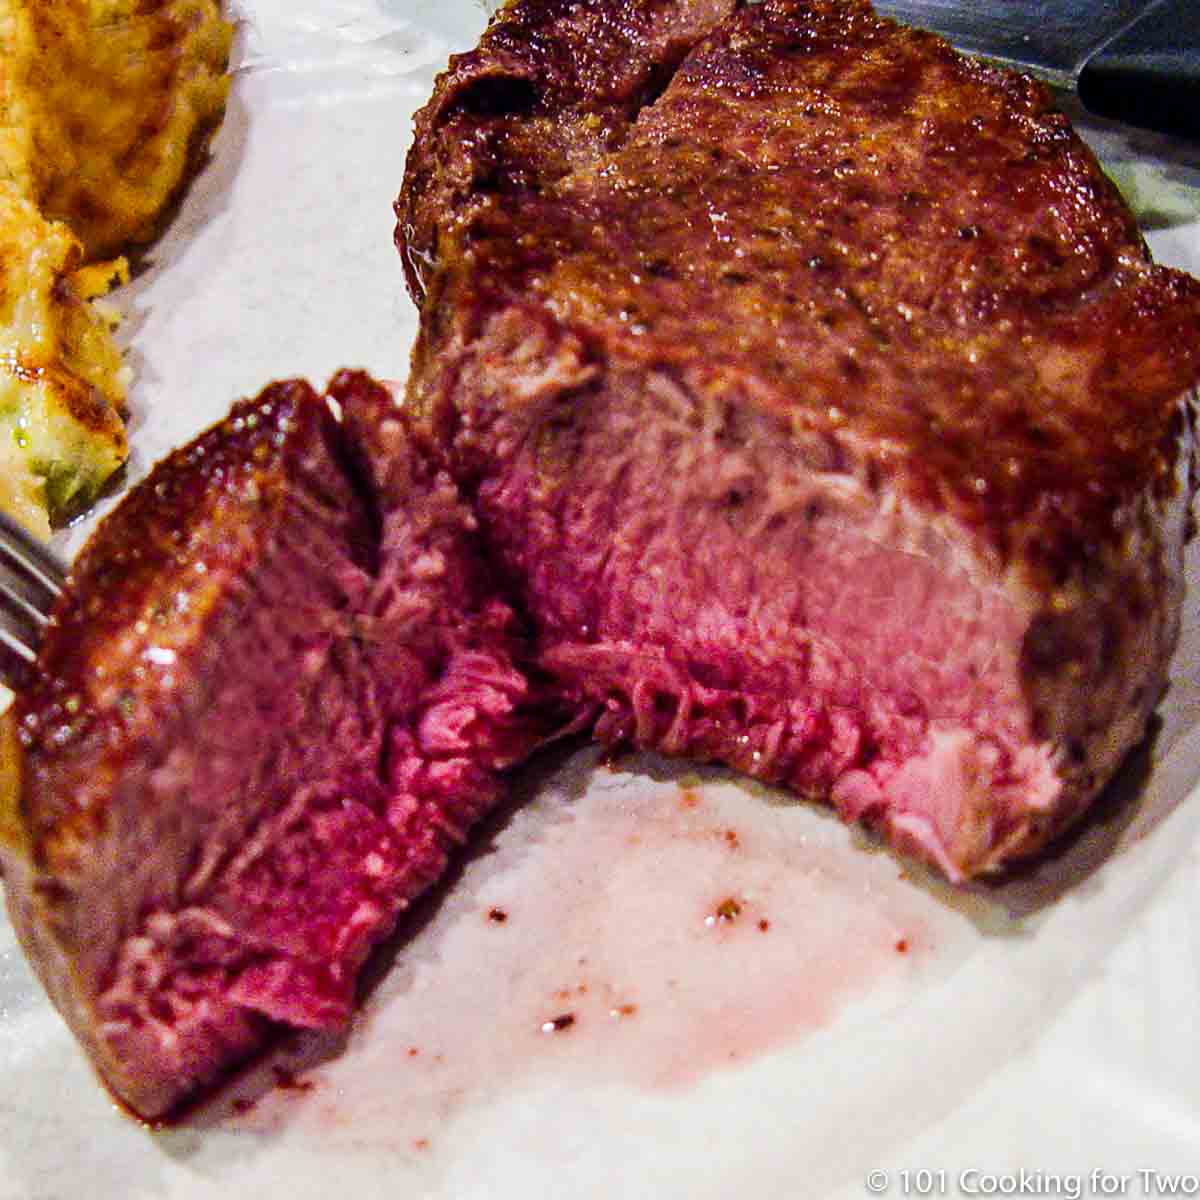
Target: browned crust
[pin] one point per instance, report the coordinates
(156, 566)
(168, 567)
(842, 217)
(128, 100)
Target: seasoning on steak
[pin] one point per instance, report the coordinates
(278, 692)
(818, 397)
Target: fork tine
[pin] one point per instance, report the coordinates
(34, 559)
(17, 603)
(31, 579)
(11, 642)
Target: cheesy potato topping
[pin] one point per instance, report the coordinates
(62, 382)
(105, 105)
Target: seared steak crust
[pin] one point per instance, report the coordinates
(818, 396)
(834, 207)
(280, 688)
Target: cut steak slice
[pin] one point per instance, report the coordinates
(818, 398)
(277, 693)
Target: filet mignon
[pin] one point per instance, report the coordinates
(818, 398)
(279, 690)
(820, 408)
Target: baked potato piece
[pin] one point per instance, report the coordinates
(62, 380)
(105, 105)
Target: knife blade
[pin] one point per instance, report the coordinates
(1136, 61)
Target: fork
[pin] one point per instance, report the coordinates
(31, 579)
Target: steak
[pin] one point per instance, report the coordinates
(818, 400)
(278, 692)
(791, 392)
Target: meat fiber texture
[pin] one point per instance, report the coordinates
(278, 692)
(818, 399)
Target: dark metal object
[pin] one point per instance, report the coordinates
(1136, 61)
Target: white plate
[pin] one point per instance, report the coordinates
(879, 1022)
